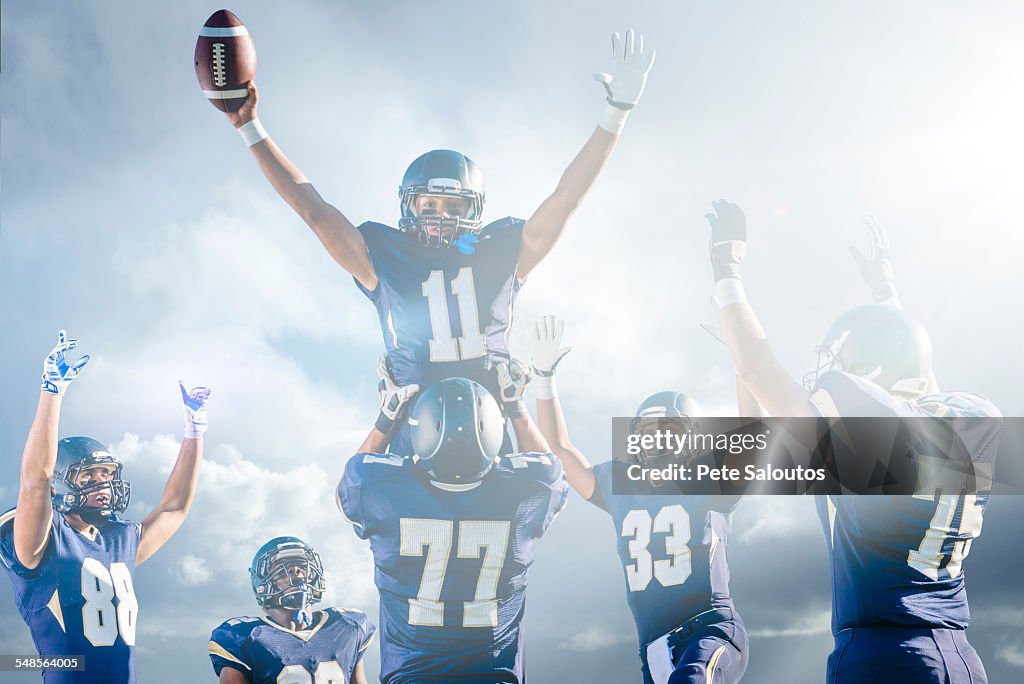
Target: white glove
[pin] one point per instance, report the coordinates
(393, 398)
(876, 268)
(547, 345)
(513, 377)
(632, 64)
(195, 410)
(57, 374)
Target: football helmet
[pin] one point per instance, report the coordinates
(880, 343)
(456, 431)
(446, 173)
(666, 410)
(75, 455)
(276, 581)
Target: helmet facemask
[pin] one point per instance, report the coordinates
(72, 498)
(443, 173)
(289, 576)
(441, 231)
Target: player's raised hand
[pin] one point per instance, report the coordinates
(194, 401)
(728, 239)
(626, 83)
(247, 112)
(513, 378)
(547, 345)
(393, 397)
(875, 267)
(57, 374)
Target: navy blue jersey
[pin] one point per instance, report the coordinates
(451, 566)
(673, 552)
(267, 653)
(79, 600)
(444, 314)
(898, 560)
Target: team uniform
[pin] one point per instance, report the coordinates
(443, 313)
(79, 600)
(899, 599)
(673, 551)
(267, 653)
(451, 566)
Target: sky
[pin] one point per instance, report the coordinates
(133, 216)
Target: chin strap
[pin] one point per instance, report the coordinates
(302, 616)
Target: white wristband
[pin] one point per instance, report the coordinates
(252, 132)
(729, 291)
(544, 386)
(613, 119)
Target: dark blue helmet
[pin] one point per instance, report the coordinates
(275, 582)
(457, 431)
(880, 343)
(446, 173)
(666, 410)
(75, 455)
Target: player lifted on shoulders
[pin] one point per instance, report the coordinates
(291, 644)
(899, 599)
(67, 551)
(672, 547)
(452, 532)
(443, 282)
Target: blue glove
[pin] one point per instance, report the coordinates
(195, 410)
(57, 374)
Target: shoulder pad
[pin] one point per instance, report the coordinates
(507, 223)
(958, 405)
(541, 467)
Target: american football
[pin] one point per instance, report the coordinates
(225, 60)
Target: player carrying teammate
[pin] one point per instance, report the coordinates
(289, 645)
(68, 553)
(452, 533)
(899, 599)
(672, 547)
(443, 282)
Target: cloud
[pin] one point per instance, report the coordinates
(193, 571)
(1011, 652)
(595, 638)
(812, 624)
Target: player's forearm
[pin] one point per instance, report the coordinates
(164, 520)
(340, 238)
(746, 403)
(181, 484)
(35, 509)
(757, 367)
(40, 454)
(548, 223)
(578, 470)
(286, 178)
(375, 443)
(528, 437)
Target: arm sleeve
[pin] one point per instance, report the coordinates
(9, 557)
(350, 491)
(602, 486)
(368, 231)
